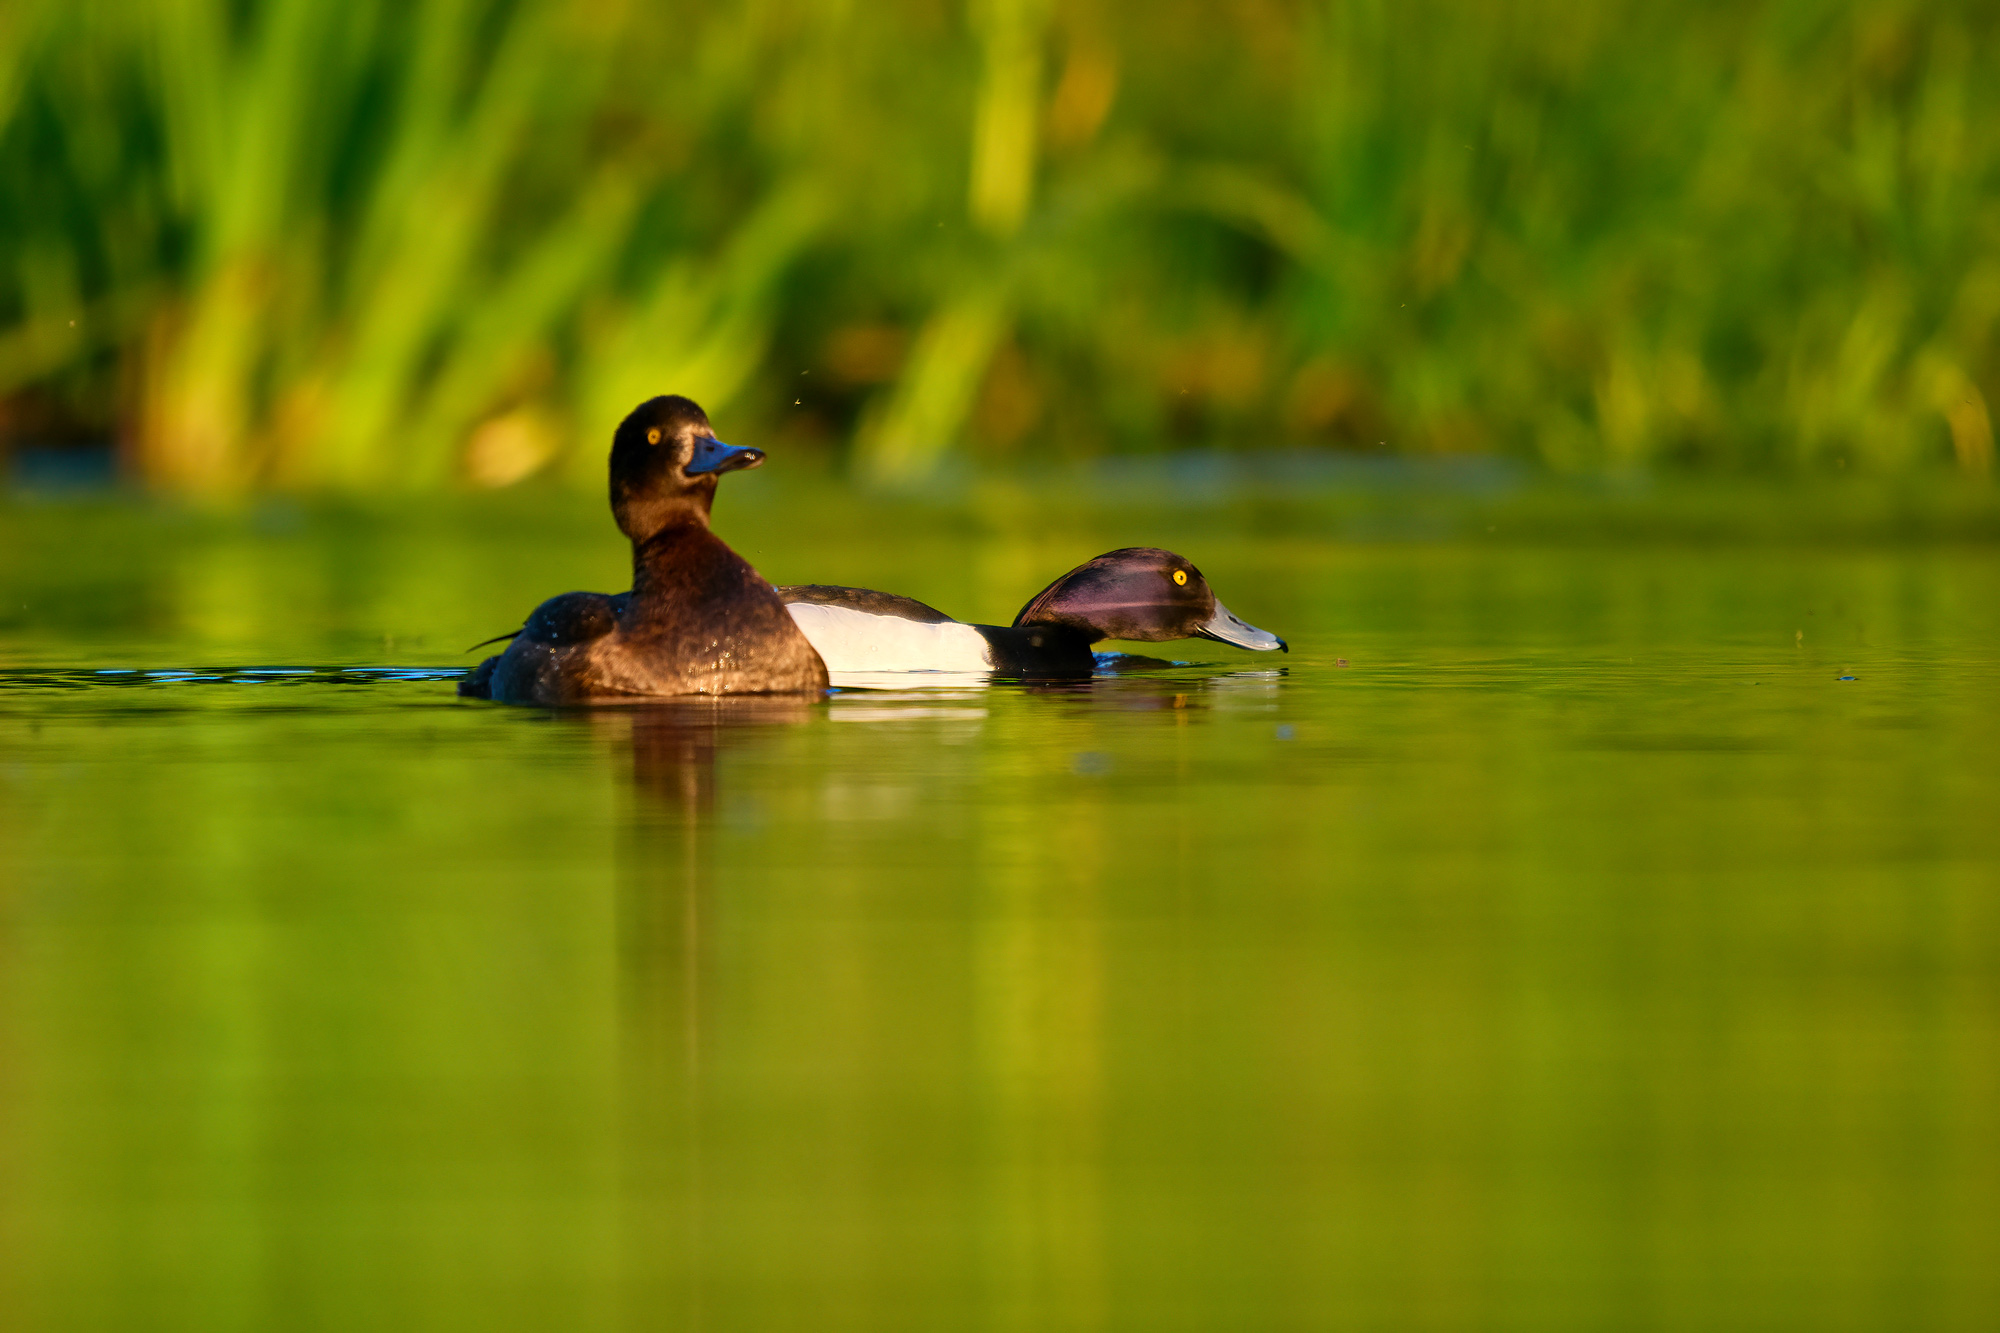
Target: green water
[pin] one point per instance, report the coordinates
(1584, 953)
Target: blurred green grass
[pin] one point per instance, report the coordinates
(374, 247)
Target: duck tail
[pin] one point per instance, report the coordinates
(478, 682)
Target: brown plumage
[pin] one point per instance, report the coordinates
(698, 620)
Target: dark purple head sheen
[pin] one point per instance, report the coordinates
(665, 460)
(1143, 594)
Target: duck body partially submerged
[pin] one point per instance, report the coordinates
(698, 619)
(1139, 593)
(853, 631)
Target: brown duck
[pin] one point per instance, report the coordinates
(698, 619)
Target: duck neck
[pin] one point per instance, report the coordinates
(657, 558)
(642, 514)
(1038, 649)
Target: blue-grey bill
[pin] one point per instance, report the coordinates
(712, 455)
(1226, 628)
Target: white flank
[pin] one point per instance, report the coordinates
(850, 640)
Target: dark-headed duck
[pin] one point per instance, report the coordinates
(1139, 593)
(698, 619)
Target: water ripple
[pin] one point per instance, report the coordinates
(97, 678)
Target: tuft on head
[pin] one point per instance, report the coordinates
(1139, 593)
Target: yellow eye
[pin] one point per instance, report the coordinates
(1180, 576)
(653, 435)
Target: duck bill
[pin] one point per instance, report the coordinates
(712, 455)
(1224, 627)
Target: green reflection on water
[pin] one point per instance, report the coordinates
(1585, 954)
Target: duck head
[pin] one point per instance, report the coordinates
(665, 461)
(1145, 594)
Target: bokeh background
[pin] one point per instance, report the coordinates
(1588, 925)
(363, 245)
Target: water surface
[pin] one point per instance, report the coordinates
(1609, 943)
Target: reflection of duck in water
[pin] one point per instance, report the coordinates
(698, 619)
(675, 741)
(1139, 593)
